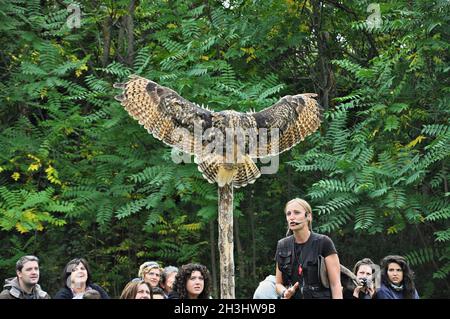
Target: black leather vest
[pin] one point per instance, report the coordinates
(310, 286)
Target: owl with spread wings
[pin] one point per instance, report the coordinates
(223, 143)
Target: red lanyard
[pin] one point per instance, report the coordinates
(300, 268)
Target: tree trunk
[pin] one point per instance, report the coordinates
(239, 250)
(212, 241)
(252, 228)
(129, 25)
(326, 78)
(106, 40)
(226, 242)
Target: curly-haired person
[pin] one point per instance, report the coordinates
(191, 282)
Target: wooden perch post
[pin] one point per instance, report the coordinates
(226, 246)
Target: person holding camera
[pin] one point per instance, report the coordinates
(364, 270)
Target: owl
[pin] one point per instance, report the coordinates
(225, 144)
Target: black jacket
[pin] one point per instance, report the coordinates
(66, 293)
(311, 286)
(173, 295)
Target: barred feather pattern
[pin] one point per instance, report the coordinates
(178, 122)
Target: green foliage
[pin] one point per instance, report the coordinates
(386, 170)
(27, 211)
(79, 177)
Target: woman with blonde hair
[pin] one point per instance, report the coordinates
(300, 257)
(150, 272)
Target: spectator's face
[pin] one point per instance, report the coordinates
(364, 271)
(395, 273)
(29, 275)
(195, 284)
(158, 296)
(152, 277)
(295, 213)
(143, 292)
(79, 275)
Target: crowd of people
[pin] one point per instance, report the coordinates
(307, 267)
(191, 281)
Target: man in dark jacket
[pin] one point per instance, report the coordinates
(25, 284)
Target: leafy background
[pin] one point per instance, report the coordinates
(79, 177)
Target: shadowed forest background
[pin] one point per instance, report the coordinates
(80, 178)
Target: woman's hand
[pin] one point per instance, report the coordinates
(288, 293)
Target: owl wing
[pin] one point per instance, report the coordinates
(165, 114)
(293, 117)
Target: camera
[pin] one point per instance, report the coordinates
(366, 282)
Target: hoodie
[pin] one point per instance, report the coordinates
(12, 290)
